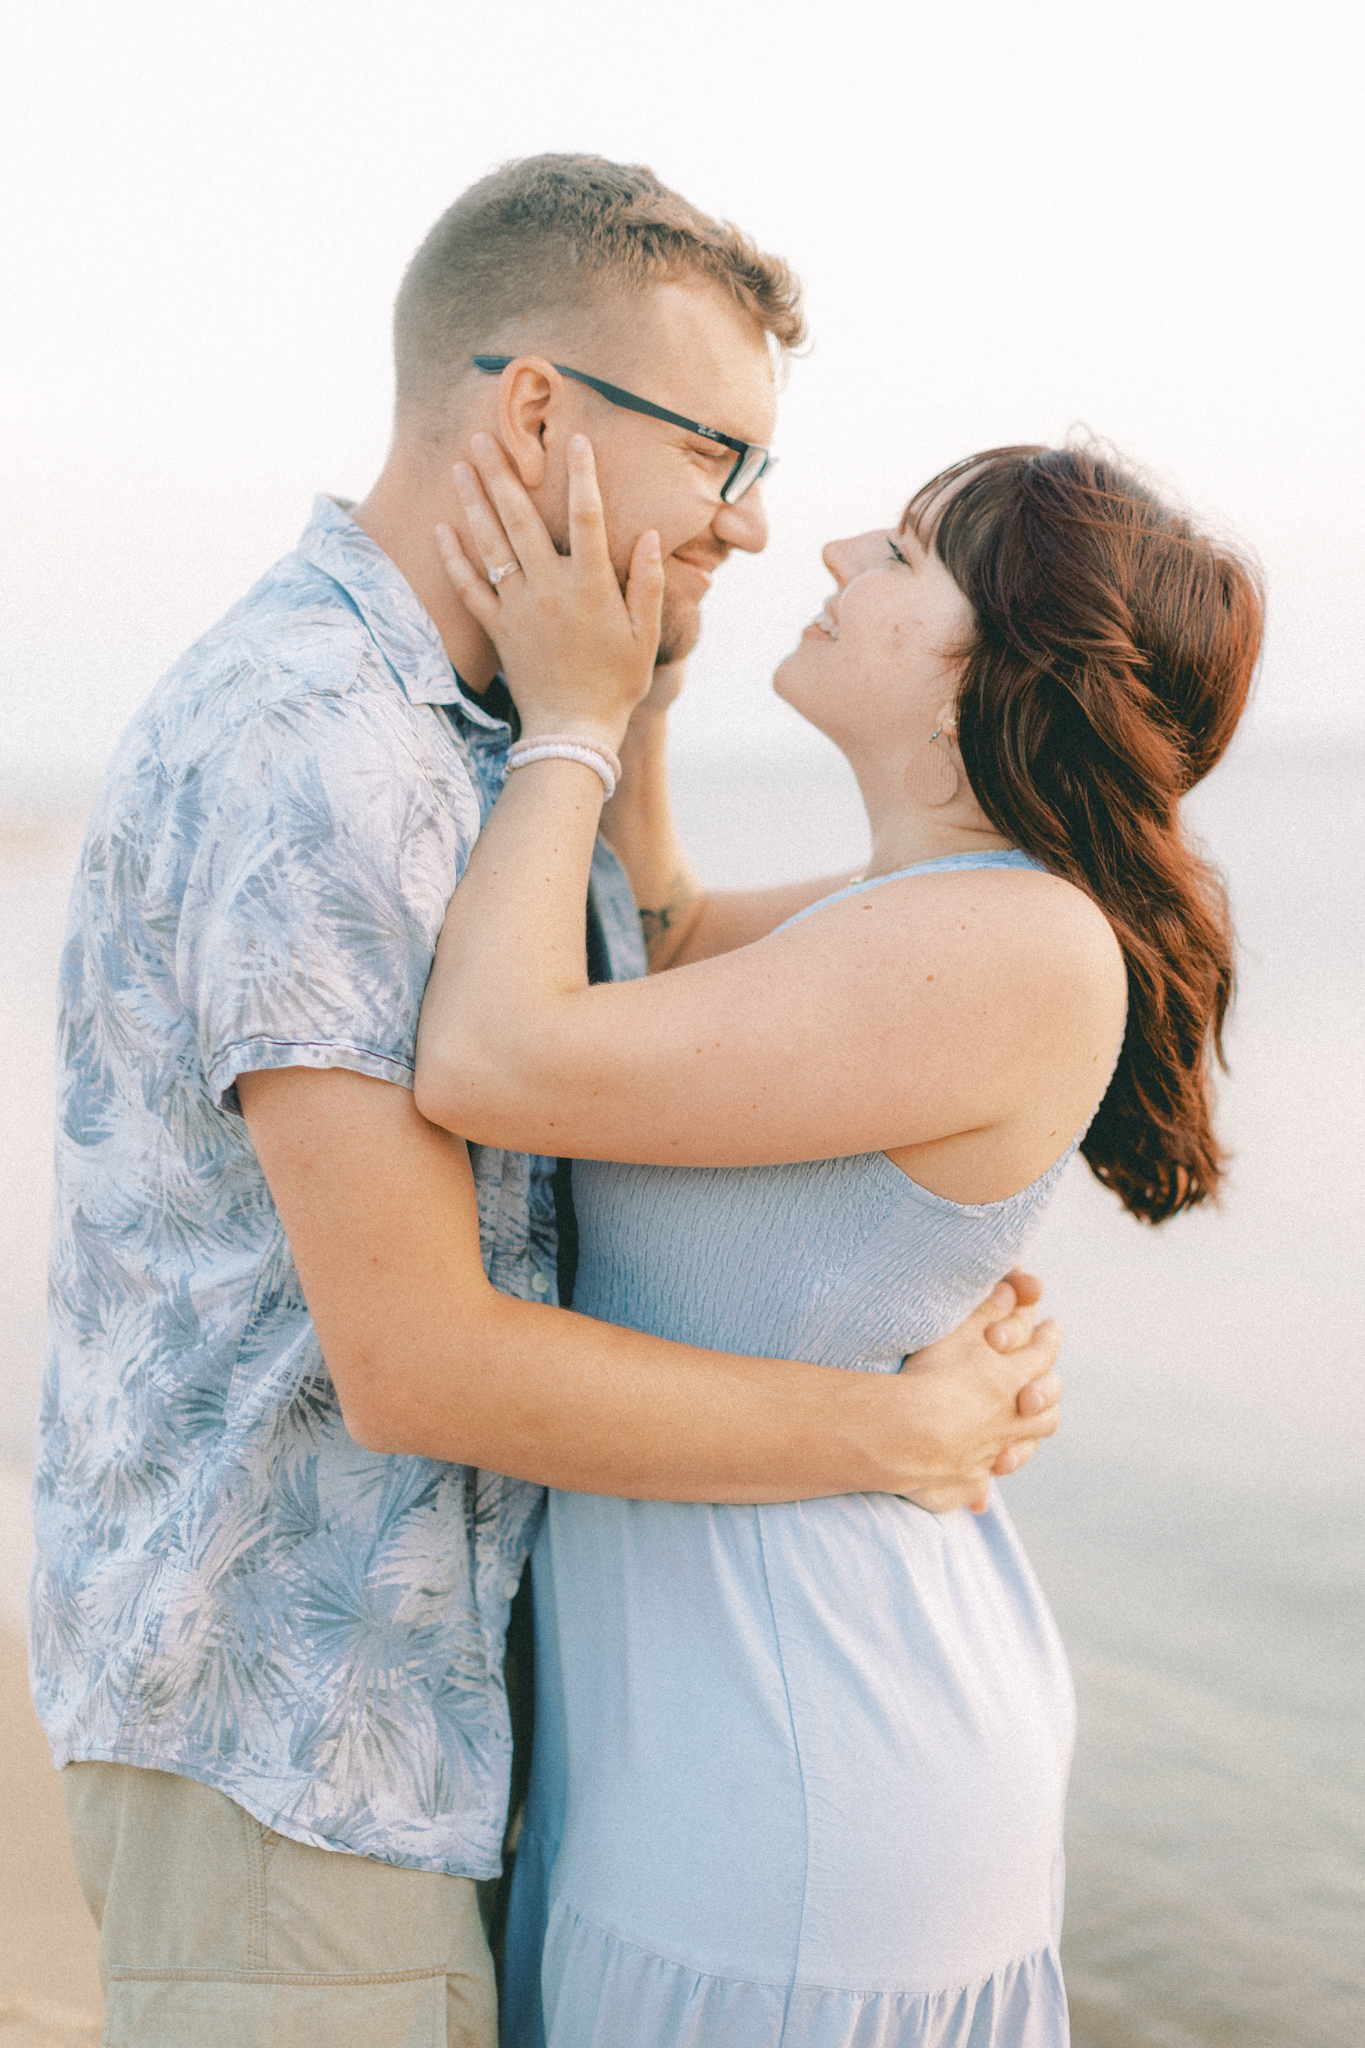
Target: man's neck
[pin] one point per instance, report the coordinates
(400, 515)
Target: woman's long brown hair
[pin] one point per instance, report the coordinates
(1114, 653)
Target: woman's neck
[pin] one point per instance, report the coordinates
(905, 833)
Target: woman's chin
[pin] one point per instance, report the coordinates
(809, 712)
(787, 683)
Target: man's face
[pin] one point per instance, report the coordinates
(690, 348)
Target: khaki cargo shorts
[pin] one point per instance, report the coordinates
(215, 1932)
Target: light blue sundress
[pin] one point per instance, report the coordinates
(799, 1770)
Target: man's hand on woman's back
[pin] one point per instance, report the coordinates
(986, 1394)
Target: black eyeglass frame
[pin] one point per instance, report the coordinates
(745, 451)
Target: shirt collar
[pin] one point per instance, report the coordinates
(401, 627)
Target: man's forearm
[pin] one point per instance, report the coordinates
(560, 1399)
(428, 1360)
(681, 919)
(547, 1395)
(638, 825)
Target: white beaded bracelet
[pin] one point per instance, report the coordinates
(568, 747)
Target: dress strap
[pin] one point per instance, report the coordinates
(946, 863)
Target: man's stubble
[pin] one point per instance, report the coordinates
(680, 621)
(679, 630)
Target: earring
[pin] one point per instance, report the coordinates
(932, 777)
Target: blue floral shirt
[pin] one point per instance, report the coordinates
(226, 1586)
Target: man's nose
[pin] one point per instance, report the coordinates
(744, 525)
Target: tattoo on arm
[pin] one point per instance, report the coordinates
(673, 916)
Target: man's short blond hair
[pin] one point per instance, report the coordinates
(552, 237)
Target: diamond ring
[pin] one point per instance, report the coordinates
(495, 576)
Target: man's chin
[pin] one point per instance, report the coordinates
(679, 631)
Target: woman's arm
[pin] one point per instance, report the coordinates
(682, 920)
(958, 1004)
(862, 1028)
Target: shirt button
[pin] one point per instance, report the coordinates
(509, 1588)
(539, 1284)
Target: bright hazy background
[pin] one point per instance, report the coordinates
(1010, 219)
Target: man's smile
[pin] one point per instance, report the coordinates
(702, 577)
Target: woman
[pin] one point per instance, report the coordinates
(800, 1769)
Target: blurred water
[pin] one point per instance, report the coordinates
(1198, 1523)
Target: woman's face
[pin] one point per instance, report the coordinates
(883, 658)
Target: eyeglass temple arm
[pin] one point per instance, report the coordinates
(625, 399)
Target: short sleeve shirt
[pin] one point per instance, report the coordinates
(226, 1586)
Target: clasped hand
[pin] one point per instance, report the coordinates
(576, 650)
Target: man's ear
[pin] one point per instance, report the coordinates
(528, 389)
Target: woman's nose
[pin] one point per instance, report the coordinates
(840, 558)
(848, 558)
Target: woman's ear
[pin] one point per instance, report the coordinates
(528, 390)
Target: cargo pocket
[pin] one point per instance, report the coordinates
(275, 2009)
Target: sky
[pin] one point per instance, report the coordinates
(1011, 221)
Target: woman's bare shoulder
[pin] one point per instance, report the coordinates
(1051, 930)
(1060, 915)
(1022, 906)
(1014, 933)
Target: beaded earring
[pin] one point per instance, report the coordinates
(932, 777)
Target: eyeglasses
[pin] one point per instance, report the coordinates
(751, 460)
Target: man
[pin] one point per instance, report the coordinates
(271, 1593)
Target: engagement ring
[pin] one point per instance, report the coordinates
(495, 576)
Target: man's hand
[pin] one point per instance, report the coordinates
(993, 1390)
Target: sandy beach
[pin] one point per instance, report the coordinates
(49, 1988)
